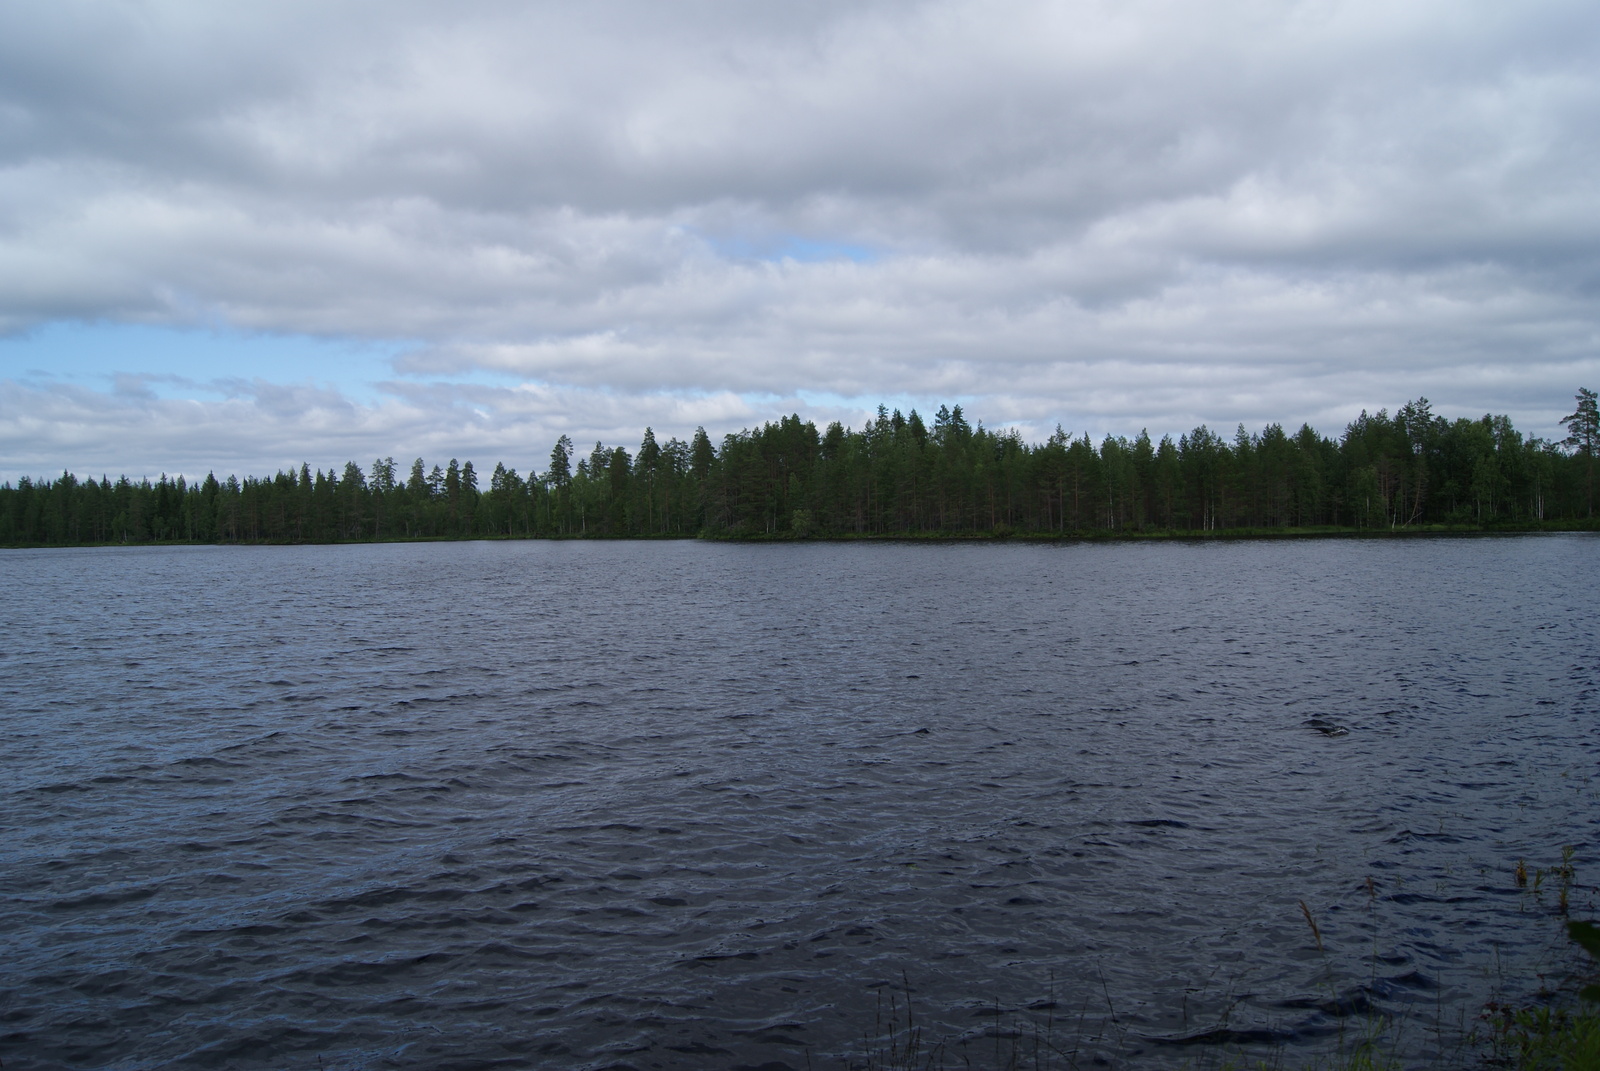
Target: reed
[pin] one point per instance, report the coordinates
(1316, 934)
(1560, 1031)
(1541, 1037)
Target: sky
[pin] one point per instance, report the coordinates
(242, 237)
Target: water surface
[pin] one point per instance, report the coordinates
(684, 805)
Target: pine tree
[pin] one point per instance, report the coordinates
(1583, 424)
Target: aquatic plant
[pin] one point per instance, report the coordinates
(1541, 1037)
(1554, 1038)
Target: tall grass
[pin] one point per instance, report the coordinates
(1559, 1031)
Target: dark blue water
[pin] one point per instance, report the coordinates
(680, 805)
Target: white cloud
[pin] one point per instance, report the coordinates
(263, 427)
(1104, 214)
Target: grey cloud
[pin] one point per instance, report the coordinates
(1267, 210)
(263, 427)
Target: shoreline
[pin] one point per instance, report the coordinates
(1216, 535)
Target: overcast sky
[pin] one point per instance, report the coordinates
(245, 236)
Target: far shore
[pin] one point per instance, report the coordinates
(1001, 535)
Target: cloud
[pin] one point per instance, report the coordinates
(1104, 214)
(261, 427)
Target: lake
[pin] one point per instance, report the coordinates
(691, 805)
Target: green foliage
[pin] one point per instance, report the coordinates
(1583, 423)
(1553, 1038)
(1586, 935)
(898, 475)
(1545, 1039)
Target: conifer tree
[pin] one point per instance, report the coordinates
(1583, 426)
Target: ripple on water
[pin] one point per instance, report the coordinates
(683, 805)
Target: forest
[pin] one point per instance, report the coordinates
(896, 476)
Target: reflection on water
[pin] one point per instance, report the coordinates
(684, 805)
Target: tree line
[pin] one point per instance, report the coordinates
(897, 475)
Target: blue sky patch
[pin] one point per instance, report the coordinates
(176, 362)
(780, 247)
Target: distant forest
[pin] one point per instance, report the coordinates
(898, 475)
